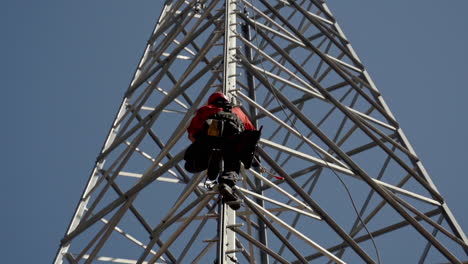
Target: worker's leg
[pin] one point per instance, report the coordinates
(214, 156)
(214, 164)
(196, 157)
(231, 165)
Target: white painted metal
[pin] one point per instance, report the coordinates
(293, 71)
(227, 237)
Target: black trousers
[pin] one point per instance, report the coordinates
(219, 155)
(224, 160)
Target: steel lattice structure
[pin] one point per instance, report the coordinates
(326, 130)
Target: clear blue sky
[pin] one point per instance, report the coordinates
(65, 66)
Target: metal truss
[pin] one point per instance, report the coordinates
(353, 189)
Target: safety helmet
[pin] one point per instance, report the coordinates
(216, 96)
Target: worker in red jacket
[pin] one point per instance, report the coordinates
(216, 131)
(216, 102)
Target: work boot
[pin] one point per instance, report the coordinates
(229, 178)
(229, 196)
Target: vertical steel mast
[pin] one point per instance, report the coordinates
(338, 181)
(227, 216)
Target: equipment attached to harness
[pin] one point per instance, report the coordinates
(224, 123)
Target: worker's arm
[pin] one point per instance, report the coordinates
(196, 125)
(244, 118)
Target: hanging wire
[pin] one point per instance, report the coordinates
(316, 152)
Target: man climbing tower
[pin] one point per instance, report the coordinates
(222, 137)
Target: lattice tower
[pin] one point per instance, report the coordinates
(327, 132)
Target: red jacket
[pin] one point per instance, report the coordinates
(196, 125)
